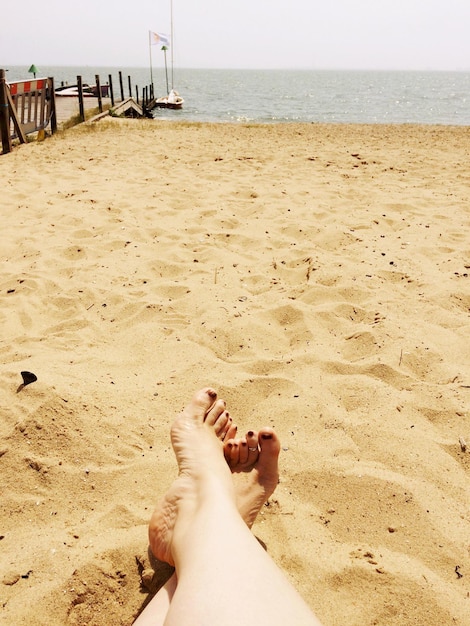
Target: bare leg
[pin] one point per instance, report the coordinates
(222, 424)
(253, 460)
(191, 530)
(157, 609)
(217, 421)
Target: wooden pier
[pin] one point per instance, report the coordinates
(68, 108)
(28, 107)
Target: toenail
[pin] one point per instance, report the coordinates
(250, 433)
(244, 444)
(266, 436)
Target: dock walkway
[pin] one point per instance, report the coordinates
(67, 107)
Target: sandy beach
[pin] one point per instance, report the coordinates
(317, 276)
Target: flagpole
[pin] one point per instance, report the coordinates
(150, 53)
(171, 40)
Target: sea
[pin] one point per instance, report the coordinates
(283, 96)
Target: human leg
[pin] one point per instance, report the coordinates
(253, 461)
(156, 610)
(200, 529)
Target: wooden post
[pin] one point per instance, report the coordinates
(81, 106)
(53, 107)
(137, 94)
(4, 115)
(130, 86)
(122, 87)
(98, 90)
(111, 93)
(17, 123)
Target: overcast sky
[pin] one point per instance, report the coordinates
(310, 34)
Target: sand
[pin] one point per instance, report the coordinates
(318, 277)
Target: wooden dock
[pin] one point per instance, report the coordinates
(27, 107)
(67, 107)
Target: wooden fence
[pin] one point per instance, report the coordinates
(29, 106)
(26, 106)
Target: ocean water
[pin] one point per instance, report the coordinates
(273, 96)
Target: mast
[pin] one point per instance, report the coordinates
(150, 54)
(164, 48)
(171, 40)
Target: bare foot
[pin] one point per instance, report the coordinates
(253, 461)
(196, 435)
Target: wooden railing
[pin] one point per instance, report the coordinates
(29, 106)
(26, 106)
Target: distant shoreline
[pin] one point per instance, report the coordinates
(277, 96)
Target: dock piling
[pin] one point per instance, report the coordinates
(98, 93)
(4, 115)
(111, 93)
(81, 106)
(122, 86)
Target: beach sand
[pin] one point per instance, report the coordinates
(318, 277)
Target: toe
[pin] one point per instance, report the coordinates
(232, 452)
(224, 426)
(235, 454)
(231, 431)
(217, 414)
(270, 446)
(253, 449)
(201, 403)
(243, 452)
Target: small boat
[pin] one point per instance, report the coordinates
(172, 101)
(87, 90)
(72, 91)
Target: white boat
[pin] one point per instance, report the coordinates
(172, 101)
(72, 91)
(89, 91)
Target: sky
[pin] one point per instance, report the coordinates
(253, 34)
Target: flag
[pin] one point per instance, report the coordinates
(159, 39)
